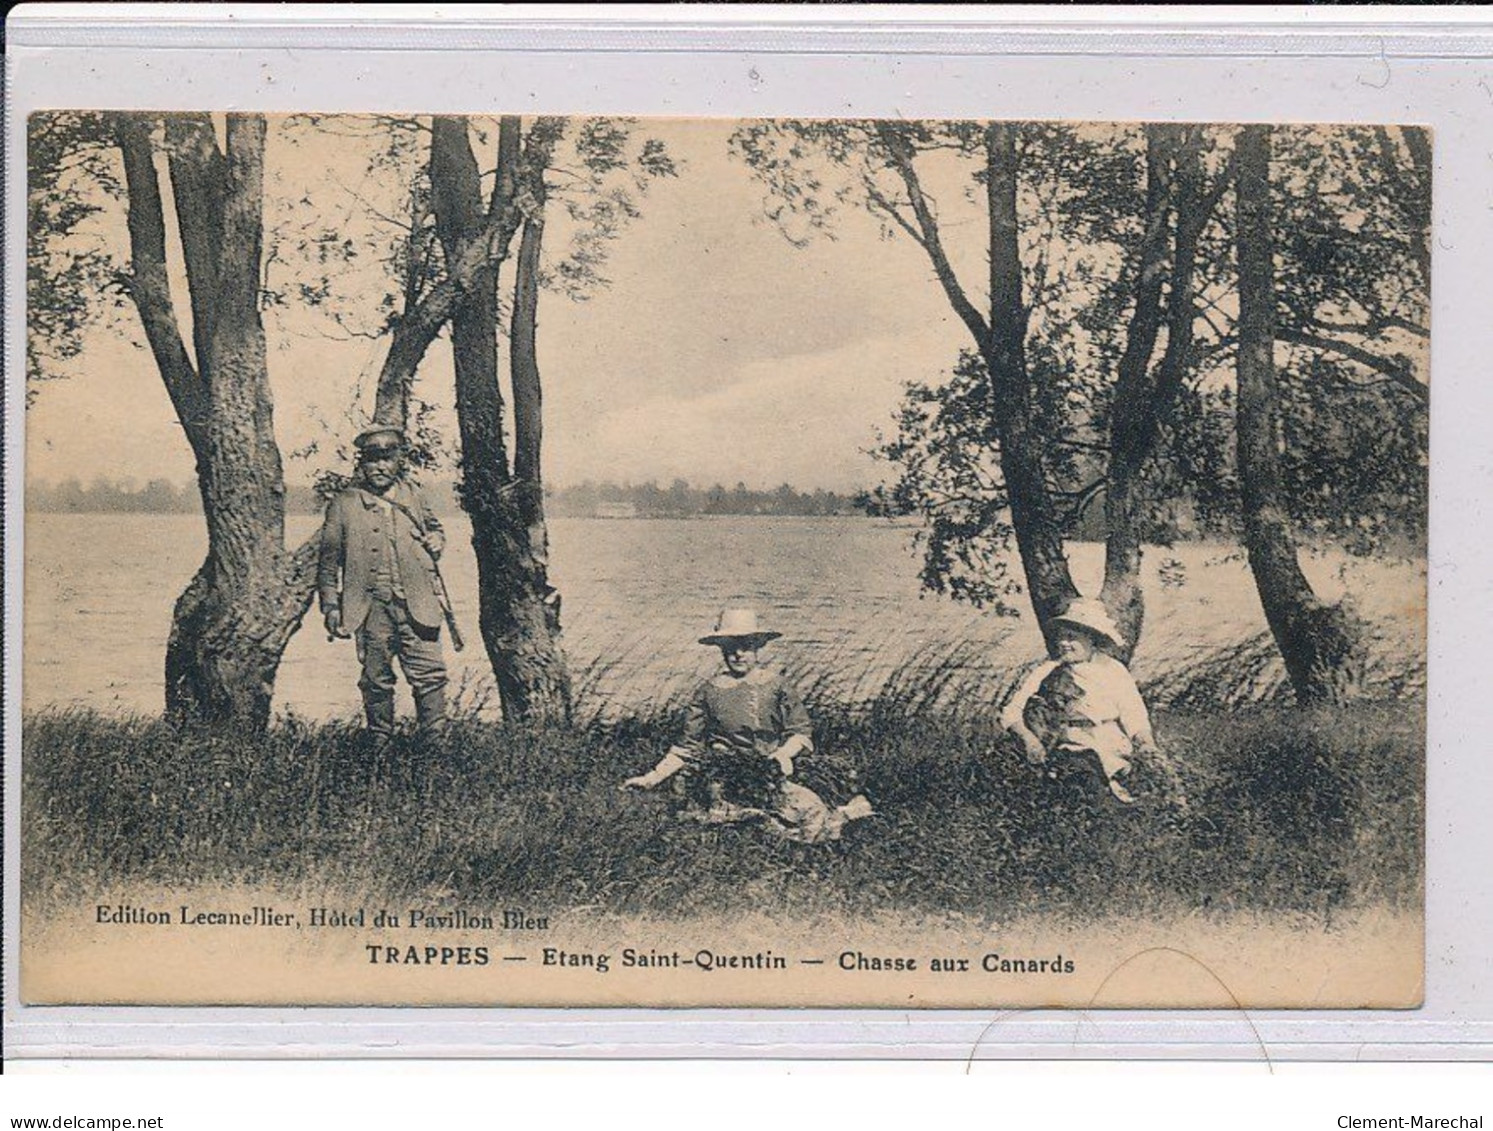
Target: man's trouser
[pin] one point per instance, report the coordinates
(389, 632)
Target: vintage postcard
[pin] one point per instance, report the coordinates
(679, 562)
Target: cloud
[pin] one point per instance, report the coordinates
(805, 420)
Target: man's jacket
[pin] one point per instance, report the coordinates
(356, 538)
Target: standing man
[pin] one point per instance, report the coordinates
(378, 584)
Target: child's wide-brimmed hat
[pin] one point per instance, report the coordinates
(1089, 615)
(739, 626)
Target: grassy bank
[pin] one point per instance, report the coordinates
(1292, 811)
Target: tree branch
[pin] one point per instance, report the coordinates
(1209, 203)
(1193, 215)
(505, 179)
(197, 189)
(1083, 445)
(901, 154)
(475, 248)
(1134, 390)
(1371, 326)
(1396, 369)
(414, 330)
(878, 198)
(1083, 498)
(148, 283)
(414, 256)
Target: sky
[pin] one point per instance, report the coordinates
(719, 352)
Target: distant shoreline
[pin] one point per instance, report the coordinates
(586, 500)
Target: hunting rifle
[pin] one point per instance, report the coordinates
(435, 571)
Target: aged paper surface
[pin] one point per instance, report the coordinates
(765, 464)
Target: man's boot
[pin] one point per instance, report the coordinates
(379, 710)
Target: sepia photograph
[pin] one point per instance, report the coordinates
(688, 562)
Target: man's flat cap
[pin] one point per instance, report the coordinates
(380, 435)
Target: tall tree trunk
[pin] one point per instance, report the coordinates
(518, 611)
(1033, 515)
(1132, 413)
(1002, 344)
(1143, 393)
(537, 676)
(1318, 642)
(231, 624)
(223, 654)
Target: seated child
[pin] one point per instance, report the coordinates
(745, 727)
(1084, 702)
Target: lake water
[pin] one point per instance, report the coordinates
(637, 594)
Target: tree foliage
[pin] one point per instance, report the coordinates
(1351, 216)
(72, 178)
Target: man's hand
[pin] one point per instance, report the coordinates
(784, 758)
(639, 782)
(334, 625)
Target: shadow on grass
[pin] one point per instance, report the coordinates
(1295, 811)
